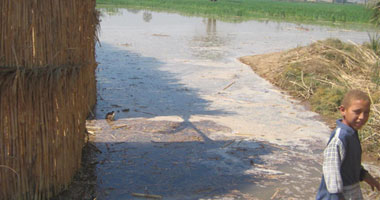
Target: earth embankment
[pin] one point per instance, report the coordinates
(319, 75)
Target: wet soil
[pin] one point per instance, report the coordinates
(197, 160)
(83, 186)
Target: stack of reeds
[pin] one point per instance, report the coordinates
(323, 71)
(47, 89)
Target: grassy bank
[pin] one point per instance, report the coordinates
(321, 73)
(240, 10)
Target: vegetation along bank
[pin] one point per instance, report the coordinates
(321, 73)
(241, 10)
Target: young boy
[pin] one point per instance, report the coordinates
(342, 170)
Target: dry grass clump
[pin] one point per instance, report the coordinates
(323, 71)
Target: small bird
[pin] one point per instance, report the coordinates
(110, 116)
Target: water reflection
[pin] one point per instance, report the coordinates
(111, 11)
(211, 26)
(134, 11)
(115, 11)
(147, 16)
(209, 45)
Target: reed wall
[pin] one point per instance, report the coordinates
(47, 89)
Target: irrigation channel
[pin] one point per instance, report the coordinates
(192, 122)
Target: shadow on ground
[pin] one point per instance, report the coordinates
(136, 86)
(176, 159)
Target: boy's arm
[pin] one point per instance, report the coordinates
(369, 179)
(333, 157)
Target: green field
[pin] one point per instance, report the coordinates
(242, 10)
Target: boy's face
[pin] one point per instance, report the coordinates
(357, 113)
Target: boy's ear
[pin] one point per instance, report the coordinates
(342, 109)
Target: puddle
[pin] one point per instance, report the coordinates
(191, 122)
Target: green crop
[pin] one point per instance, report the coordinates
(242, 10)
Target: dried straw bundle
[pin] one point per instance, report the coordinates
(334, 65)
(47, 88)
(37, 33)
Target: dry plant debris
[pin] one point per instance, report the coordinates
(321, 73)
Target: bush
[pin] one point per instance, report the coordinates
(327, 100)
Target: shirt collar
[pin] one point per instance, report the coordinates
(341, 125)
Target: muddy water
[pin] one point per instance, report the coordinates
(192, 122)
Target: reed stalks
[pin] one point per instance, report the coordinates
(322, 72)
(47, 88)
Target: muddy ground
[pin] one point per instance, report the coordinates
(185, 160)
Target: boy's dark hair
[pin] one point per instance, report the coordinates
(354, 95)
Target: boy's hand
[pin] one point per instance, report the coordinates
(372, 182)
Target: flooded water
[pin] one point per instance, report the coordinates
(191, 121)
